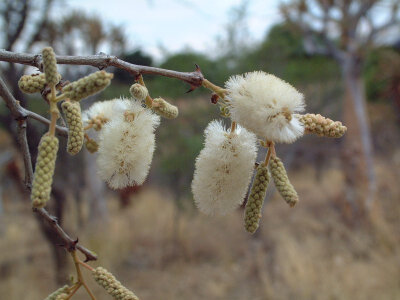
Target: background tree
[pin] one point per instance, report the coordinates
(346, 30)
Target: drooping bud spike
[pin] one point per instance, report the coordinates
(255, 200)
(165, 109)
(73, 116)
(44, 170)
(87, 86)
(138, 91)
(112, 286)
(282, 183)
(50, 66)
(30, 84)
(55, 294)
(322, 126)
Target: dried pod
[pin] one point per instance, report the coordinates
(164, 109)
(112, 286)
(91, 146)
(73, 116)
(55, 294)
(138, 91)
(44, 170)
(322, 126)
(87, 86)
(252, 214)
(50, 66)
(282, 183)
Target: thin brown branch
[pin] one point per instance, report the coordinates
(20, 114)
(103, 61)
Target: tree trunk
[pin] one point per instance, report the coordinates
(358, 150)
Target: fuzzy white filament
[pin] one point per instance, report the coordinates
(265, 104)
(126, 144)
(223, 169)
(101, 108)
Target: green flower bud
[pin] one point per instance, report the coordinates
(112, 286)
(282, 183)
(138, 91)
(91, 146)
(72, 112)
(50, 66)
(44, 170)
(55, 294)
(34, 83)
(164, 109)
(88, 85)
(322, 126)
(252, 213)
(62, 296)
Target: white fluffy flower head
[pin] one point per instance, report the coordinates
(265, 104)
(127, 144)
(100, 108)
(223, 169)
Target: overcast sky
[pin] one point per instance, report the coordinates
(176, 24)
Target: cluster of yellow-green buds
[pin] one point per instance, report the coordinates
(282, 183)
(44, 171)
(87, 85)
(62, 296)
(138, 91)
(50, 66)
(322, 126)
(61, 291)
(164, 109)
(255, 200)
(91, 145)
(112, 286)
(73, 116)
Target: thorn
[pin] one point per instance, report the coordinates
(75, 242)
(192, 88)
(197, 68)
(86, 259)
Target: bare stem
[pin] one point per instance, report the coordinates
(86, 265)
(81, 279)
(148, 100)
(271, 150)
(216, 89)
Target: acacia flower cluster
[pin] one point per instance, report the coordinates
(268, 107)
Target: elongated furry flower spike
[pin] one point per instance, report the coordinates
(72, 112)
(223, 169)
(265, 104)
(322, 126)
(126, 144)
(50, 66)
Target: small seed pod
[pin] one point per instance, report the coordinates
(138, 91)
(62, 296)
(322, 126)
(55, 294)
(252, 213)
(88, 85)
(34, 83)
(282, 183)
(50, 66)
(44, 170)
(72, 112)
(164, 109)
(91, 146)
(112, 286)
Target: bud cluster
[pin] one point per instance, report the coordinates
(87, 85)
(112, 286)
(44, 170)
(256, 198)
(322, 126)
(138, 91)
(72, 112)
(59, 292)
(91, 146)
(62, 296)
(50, 66)
(164, 109)
(34, 83)
(282, 183)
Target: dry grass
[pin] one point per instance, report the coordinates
(308, 252)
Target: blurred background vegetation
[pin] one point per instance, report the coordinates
(332, 246)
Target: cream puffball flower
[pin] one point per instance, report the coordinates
(265, 104)
(126, 144)
(104, 109)
(223, 169)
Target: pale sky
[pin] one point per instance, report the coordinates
(176, 24)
